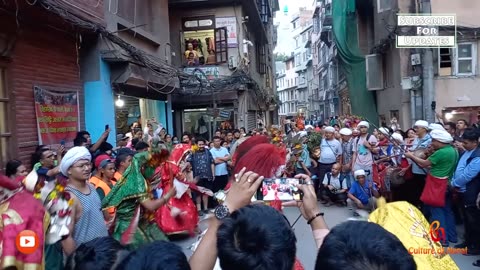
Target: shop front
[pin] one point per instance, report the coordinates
(470, 114)
(205, 122)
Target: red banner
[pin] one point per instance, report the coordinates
(57, 116)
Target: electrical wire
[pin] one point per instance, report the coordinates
(200, 84)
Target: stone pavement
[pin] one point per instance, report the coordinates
(306, 249)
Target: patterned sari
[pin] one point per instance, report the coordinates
(133, 225)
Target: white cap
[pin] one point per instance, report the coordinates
(421, 123)
(363, 124)
(345, 131)
(441, 136)
(397, 137)
(358, 173)
(329, 129)
(434, 126)
(385, 131)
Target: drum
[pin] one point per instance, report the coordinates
(393, 176)
(420, 153)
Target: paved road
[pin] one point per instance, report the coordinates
(306, 250)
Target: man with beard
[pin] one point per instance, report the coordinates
(203, 166)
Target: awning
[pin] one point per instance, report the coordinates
(135, 80)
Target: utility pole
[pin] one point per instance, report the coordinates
(427, 73)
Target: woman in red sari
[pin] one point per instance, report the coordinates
(179, 215)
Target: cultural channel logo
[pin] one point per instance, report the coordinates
(438, 235)
(426, 31)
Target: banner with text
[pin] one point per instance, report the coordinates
(57, 116)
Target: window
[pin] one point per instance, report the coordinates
(460, 61)
(324, 55)
(297, 44)
(294, 25)
(466, 54)
(264, 10)
(316, 24)
(384, 5)
(138, 13)
(296, 81)
(304, 37)
(297, 60)
(445, 62)
(302, 79)
(221, 46)
(5, 132)
(261, 59)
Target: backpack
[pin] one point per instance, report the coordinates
(356, 144)
(329, 176)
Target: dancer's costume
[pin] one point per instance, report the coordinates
(133, 225)
(179, 215)
(20, 211)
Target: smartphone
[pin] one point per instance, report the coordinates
(283, 189)
(107, 127)
(62, 142)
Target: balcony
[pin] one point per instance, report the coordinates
(327, 14)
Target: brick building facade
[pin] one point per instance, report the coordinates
(37, 48)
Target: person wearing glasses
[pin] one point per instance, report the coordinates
(87, 217)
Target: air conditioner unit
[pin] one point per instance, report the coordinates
(374, 67)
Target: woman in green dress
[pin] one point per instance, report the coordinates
(134, 222)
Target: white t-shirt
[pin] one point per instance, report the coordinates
(334, 181)
(330, 150)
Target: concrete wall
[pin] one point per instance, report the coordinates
(464, 9)
(157, 40)
(99, 105)
(456, 91)
(396, 66)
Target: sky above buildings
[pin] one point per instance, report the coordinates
(285, 40)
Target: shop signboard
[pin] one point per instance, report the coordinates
(57, 115)
(225, 114)
(231, 24)
(210, 72)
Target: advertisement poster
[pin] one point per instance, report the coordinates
(57, 116)
(231, 24)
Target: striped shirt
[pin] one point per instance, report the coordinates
(91, 224)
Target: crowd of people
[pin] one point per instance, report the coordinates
(96, 206)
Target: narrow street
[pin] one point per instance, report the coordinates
(306, 250)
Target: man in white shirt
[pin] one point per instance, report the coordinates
(221, 156)
(335, 186)
(331, 153)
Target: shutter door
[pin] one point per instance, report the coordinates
(251, 120)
